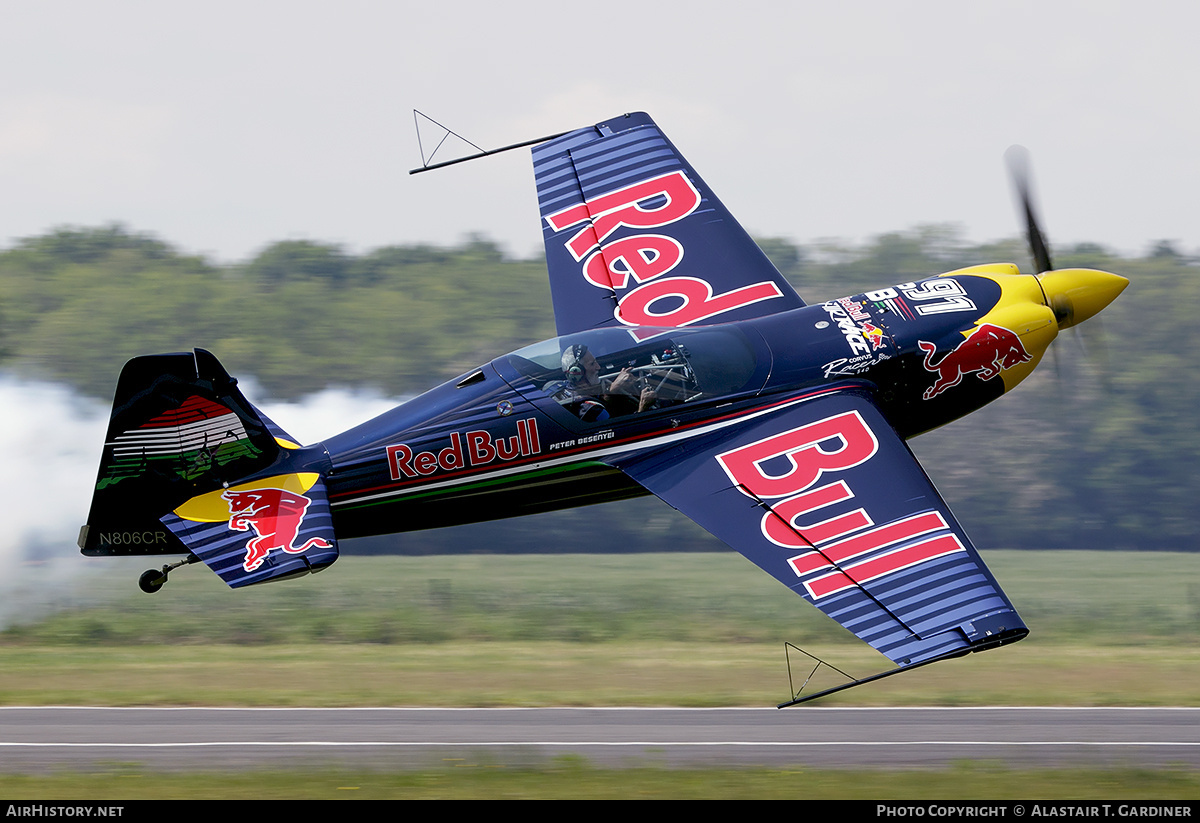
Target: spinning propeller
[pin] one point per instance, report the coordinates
(1073, 294)
(1017, 158)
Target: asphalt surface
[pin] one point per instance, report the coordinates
(34, 739)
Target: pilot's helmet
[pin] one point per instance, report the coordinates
(572, 364)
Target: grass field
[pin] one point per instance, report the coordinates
(691, 629)
(686, 630)
(572, 779)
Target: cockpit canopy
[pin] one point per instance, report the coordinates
(678, 365)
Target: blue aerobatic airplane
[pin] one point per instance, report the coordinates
(685, 367)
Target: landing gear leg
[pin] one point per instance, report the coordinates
(154, 579)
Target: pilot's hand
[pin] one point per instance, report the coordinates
(649, 398)
(622, 383)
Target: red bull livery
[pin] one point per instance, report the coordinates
(686, 367)
(987, 351)
(275, 516)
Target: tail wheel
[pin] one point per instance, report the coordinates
(152, 580)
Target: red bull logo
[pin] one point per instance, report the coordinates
(275, 515)
(987, 352)
(874, 334)
(474, 448)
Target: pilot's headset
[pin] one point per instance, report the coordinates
(571, 365)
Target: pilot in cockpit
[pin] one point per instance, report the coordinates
(595, 398)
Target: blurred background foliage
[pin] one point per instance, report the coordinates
(1096, 451)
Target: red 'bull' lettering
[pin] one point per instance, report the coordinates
(840, 552)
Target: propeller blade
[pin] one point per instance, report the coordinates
(1073, 295)
(1019, 167)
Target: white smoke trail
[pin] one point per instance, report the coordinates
(51, 441)
(324, 414)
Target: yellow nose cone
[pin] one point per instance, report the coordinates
(1077, 294)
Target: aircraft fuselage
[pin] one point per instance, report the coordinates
(495, 443)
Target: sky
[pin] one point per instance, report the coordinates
(222, 127)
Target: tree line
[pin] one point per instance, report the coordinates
(1096, 450)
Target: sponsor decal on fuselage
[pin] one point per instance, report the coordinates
(466, 449)
(598, 437)
(644, 265)
(851, 366)
(862, 336)
(988, 351)
(854, 309)
(795, 473)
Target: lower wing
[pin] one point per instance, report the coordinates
(824, 496)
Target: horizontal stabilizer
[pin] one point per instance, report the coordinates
(268, 529)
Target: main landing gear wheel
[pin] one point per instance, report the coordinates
(154, 579)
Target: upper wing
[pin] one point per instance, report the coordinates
(634, 236)
(826, 497)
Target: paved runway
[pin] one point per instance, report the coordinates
(38, 738)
